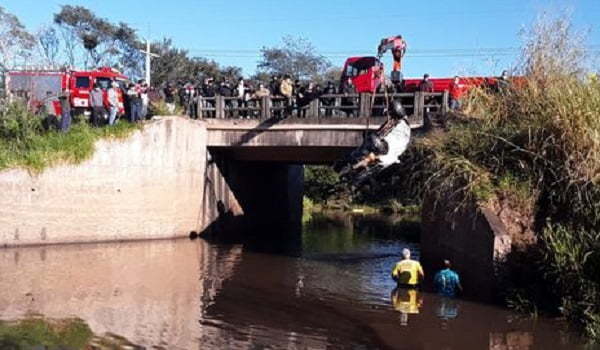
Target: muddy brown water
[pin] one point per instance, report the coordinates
(331, 292)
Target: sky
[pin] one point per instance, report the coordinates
(465, 37)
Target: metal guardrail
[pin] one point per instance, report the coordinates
(416, 105)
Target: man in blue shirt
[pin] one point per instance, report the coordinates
(446, 281)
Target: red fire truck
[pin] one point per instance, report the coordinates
(43, 87)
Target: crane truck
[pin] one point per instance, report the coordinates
(384, 147)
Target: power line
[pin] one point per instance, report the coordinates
(484, 50)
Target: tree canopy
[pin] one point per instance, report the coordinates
(106, 43)
(16, 43)
(296, 57)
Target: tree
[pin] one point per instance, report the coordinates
(297, 57)
(105, 43)
(15, 41)
(175, 65)
(49, 44)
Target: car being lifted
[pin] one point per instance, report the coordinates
(379, 150)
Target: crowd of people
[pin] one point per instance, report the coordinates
(242, 98)
(106, 104)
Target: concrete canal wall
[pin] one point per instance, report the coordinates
(144, 187)
(480, 239)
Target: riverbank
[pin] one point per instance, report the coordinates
(339, 204)
(37, 331)
(25, 142)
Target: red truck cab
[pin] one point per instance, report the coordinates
(366, 73)
(82, 82)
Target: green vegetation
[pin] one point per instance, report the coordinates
(159, 107)
(324, 190)
(24, 142)
(69, 334)
(65, 334)
(535, 144)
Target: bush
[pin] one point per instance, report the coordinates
(320, 183)
(159, 107)
(17, 124)
(572, 265)
(25, 143)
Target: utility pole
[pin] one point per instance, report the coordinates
(148, 56)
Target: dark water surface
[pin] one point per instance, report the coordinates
(333, 292)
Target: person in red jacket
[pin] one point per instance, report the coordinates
(457, 90)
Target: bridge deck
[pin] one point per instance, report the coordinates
(291, 140)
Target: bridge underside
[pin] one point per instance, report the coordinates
(293, 140)
(283, 154)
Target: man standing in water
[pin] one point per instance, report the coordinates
(408, 273)
(446, 281)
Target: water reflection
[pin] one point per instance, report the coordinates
(511, 341)
(151, 293)
(407, 301)
(336, 293)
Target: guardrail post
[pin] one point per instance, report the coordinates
(365, 105)
(199, 107)
(419, 106)
(337, 104)
(313, 109)
(219, 107)
(445, 102)
(265, 107)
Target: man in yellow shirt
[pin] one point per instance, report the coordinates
(407, 272)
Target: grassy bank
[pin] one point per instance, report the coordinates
(25, 142)
(536, 145)
(38, 332)
(52, 334)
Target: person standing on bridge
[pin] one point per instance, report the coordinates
(286, 89)
(408, 273)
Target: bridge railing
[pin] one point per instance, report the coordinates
(416, 104)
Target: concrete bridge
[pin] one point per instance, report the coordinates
(318, 133)
(256, 159)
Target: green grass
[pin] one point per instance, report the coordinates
(24, 143)
(69, 334)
